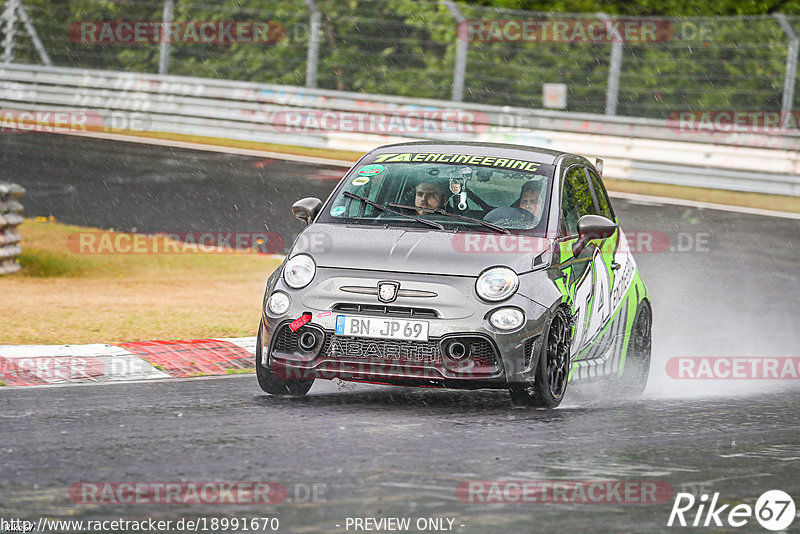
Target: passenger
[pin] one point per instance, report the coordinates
(525, 212)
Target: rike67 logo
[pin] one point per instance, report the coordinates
(774, 510)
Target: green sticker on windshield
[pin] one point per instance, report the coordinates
(371, 170)
(337, 211)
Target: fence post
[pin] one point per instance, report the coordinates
(34, 35)
(460, 67)
(791, 65)
(163, 56)
(312, 59)
(10, 18)
(614, 67)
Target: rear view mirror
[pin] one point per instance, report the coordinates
(592, 227)
(306, 209)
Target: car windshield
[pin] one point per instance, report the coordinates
(463, 192)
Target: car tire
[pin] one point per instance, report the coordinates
(635, 373)
(274, 385)
(552, 371)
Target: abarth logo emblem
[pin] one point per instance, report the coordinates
(387, 291)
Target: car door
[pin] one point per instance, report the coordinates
(603, 207)
(587, 277)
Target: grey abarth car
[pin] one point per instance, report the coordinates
(459, 265)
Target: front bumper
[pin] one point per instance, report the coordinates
(312, 352)
(491, 359)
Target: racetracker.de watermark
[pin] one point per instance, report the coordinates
(53, 369)
(639, 242)
(381, 122)
(194, 492)
(566, 31)
(124, 32)
(367, 360)
(565, 492)
(108, 242)
(71, 121)
(734, 121)
(734, 368)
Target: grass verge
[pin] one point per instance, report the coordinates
(63, 297)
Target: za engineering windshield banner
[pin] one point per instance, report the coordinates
(466, 159)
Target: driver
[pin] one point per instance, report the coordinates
(429, 194)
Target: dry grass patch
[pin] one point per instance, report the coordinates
(61, 297)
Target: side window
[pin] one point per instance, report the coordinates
(602, 197)
(576, 199)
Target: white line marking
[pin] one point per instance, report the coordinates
(80, 363)
(73, 383)
(707, 205)
(244, 343)
(213, 148)
(54, 351)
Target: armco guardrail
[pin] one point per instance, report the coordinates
(10, 218)
(648, 150)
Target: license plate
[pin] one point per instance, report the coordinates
(380, 328)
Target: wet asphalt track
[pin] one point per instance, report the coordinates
(383, 451)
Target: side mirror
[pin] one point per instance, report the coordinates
(592, 227)
(306, 209)
(598, 164)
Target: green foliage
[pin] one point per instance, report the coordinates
(239, 371)
(677, 8)
(45, 264)
(408, 48)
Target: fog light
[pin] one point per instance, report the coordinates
(507, 318)
(278, 303)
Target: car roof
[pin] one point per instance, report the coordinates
(530, 153)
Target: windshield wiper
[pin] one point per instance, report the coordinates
(381, 207)
(440, 211)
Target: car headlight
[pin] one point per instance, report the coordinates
(299, 271)
(278, 303)
(497, 284)
(507, 318)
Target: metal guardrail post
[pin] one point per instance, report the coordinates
(163, 56)
(10, 19)
(791, 64)
(614, 67)
(312, 59)
(10, 218)
(459, 69)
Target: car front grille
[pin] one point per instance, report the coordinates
(286, 340)
(481, 355)
(529, 352)
(421, 352)
(481, 351)
(381, 309)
